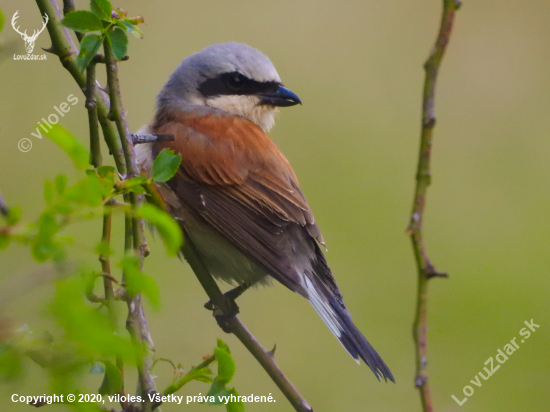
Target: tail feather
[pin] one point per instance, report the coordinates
(337, 318)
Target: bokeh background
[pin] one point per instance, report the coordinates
(357, 66)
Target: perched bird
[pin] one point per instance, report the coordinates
(235, 195)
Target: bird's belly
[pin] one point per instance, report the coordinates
(223, 260)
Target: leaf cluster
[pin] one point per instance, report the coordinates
(101, 23)
(88, 336)
(218, 389)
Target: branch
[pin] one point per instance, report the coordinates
(68, 6)
(64, 47)
(116, 112)
(109, 292)
(225, 312)
(425, 268)
(91, 105)
(136, 322)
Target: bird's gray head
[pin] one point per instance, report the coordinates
(231, 77)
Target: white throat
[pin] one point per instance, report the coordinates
(247, 107)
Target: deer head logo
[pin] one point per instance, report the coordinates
(29, 40)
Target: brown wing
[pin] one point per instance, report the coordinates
(236, 179)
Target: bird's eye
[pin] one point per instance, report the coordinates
(235, 81)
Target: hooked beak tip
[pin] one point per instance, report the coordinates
(282, 97)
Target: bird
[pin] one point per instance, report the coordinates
(235, 195)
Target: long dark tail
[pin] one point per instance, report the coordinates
(337, 318)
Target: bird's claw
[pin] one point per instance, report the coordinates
(230, 295)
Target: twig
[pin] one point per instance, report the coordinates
(91, 106)
(99, 58)
(116, 112)
(68, 6)
(154, 137)
(175, 386)
(425, 268)
(225, 313)
(109, 291)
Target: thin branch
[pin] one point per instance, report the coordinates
(116, 112)
(91, 105)
(68, 6)
(109, 291)
(425, 268)
(154, 137)
(225, 313)
(178, 384)
(99, 58)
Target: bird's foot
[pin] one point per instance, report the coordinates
(226, 312)
(225, 316)
(232, 295)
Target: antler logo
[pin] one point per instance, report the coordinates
(29, 40)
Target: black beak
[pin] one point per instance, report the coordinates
(282, 97)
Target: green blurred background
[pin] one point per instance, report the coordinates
(357, 66)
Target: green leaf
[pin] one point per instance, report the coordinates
(49, 192)
(68, 143)
(45, 245)
(235, 406)
(119, 42)
(165, 224)
(2, 19)
(140, 190)
(223, 345)
(125, 25)
(201, 375)
(217, 389)
(4, 240)
(135, 184)
(226, 365)
(85, 327)
(89, 191)
(112, 380)
(88, 48)
(105, 171)
(60, 184)
(129, 27)
(11, 363)
(108, 175)
(138, 282)
(82, 21)
(62, 209)
(165, 165)
(14, 215)
(102, 9)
